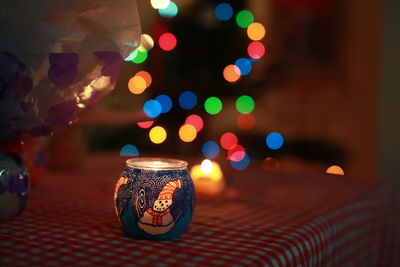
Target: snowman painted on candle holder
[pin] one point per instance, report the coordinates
(158, 219)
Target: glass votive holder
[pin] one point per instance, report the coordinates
(154, 198)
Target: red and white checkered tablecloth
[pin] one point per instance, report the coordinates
(276, 220)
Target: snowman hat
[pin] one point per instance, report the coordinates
(169, 189)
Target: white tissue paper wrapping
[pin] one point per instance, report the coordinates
(59, 56)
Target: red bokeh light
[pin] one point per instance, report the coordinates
(145, 124)
(196, 121)
(256, 50)
(167, 41)
(228, 140)
(237, 153)
(246, 121)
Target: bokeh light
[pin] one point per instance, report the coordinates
(157, 134)
(187, 100)
(137, 85)
(157, 4)
(139, 55)
(132, 55)
(231, 73)
(334, 169)
(228, 140)
(187, 133)
(271, 164)
(244, 65)
(196, 121)
(165, 102)
(256, 31)
(129, 151)
(237, 153)
(246, 121)
(241, 165)
(146, 76)
(146, 41)
(244, 18)
(167, 41)
(213, 105)
(274, 140)
(170, 11)
(152, 108)
(210, 149)
(245, 104)
(223, 11)
(256, 50)
(206, 166)
(145, 124)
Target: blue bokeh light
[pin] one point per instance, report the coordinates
(187, 100)
(210, 149)
(244, 65)
(274, 140)
(241, 165)
(165, 102)
(129, 151)
(170, 11)
(224, 11)
(152, 108)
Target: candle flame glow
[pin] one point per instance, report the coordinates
(206, 166)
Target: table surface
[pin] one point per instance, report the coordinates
(273, 219)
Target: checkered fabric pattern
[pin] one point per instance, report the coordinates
(276, 220)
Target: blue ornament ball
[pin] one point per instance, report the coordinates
(14, 186)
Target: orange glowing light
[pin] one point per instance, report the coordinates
(137, 85)
(146, 76)
(187, 133)
(334, 169)
(231, 73)
(256, 31)
(246, 121)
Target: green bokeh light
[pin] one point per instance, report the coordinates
(244, 18)
(140, 55)
(213, 105)
(245, 104)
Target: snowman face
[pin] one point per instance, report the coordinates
(161, 205)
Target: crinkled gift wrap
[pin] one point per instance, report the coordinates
(58, 57)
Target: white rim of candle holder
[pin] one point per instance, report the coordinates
(154, 163)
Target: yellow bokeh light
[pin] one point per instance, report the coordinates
(231, 73)
(334, 169)
(160, 4)
(137, 85)
(187, 133)
(146, 41)
(256, 31)
(157, 135)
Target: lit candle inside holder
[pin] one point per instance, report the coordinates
(208, 178)
(154, 198)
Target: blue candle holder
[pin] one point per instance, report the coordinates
(154, 198)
